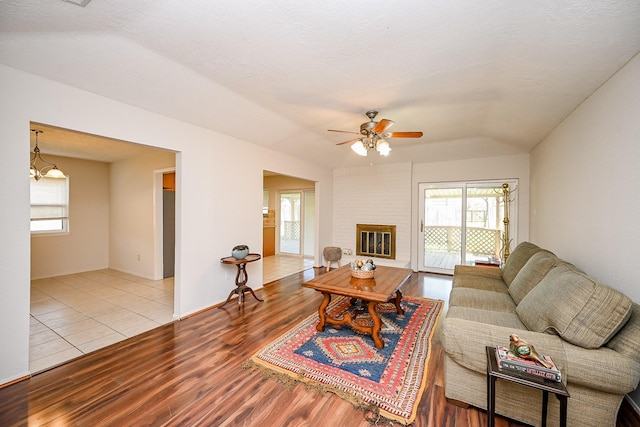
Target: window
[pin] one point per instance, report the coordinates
(265, 202)
(49, 205)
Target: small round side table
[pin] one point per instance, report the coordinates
(241, 276)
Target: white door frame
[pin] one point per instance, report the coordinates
(464, 185)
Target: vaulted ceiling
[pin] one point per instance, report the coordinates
(479, 78)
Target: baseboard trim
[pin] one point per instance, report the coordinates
(17, 380)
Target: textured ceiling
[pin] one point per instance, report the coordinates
(478, 78)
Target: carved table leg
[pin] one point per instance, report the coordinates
(241, 276)
(254, 295)
(397, 300)
(377, 323)
(229, 297)
(322, 311)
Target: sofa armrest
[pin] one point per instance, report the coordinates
(465, 341)
(477, 270)
(601, 369)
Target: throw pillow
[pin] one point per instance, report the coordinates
(530, 275)
(517, 260)
(572, 305)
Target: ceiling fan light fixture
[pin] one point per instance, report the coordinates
(373, 136)
(383, 147)
(359, 148)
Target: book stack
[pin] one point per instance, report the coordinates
(509, 361)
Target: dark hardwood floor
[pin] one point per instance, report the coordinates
(189, 373)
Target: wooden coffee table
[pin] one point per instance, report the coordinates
(384, 287)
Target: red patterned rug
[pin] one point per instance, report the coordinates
(388, 381)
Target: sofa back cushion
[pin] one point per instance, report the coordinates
(530, 275)
(627, 340)
(517, 260)
(571, 304)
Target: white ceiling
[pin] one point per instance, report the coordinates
(479, 78)
(71, 143)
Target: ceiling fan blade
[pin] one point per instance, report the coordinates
(346, 142)
(382, 126)
(402, 135)
(343, 131)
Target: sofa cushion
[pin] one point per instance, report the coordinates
(485, 300)
(530, 275)
(574, 306)
(488, 317)
(517, 260)
(485, 278)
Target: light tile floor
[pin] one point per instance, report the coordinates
(278, 266)
(76, 314)
(79, 313)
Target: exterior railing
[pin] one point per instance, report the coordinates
(290, 230)
(480, 241)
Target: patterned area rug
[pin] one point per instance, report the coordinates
(388, 381)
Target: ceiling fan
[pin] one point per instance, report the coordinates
(373, 135)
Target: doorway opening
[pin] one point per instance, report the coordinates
(297, 222)
(100, 285)
(289, 225)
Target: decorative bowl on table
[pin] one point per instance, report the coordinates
(362, 270)
(240, 251)
(362, 274)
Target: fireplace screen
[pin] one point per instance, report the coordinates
(376, 240)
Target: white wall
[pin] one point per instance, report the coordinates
(378, 194)
(489, 168)
(86, 246)
(132, 240)
(584, 184)
(219, 195)
(14, 220)
(388, 194)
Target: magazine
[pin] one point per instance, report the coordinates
(509, 361)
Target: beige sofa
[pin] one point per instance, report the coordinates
(591, 330)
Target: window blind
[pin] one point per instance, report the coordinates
(49, 198)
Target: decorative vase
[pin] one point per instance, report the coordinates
(240, 251)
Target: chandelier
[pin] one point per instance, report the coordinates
(46, 169)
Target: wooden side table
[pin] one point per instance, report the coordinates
(241, 276)
(538, 383)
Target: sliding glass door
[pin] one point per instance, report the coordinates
(462, 223)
